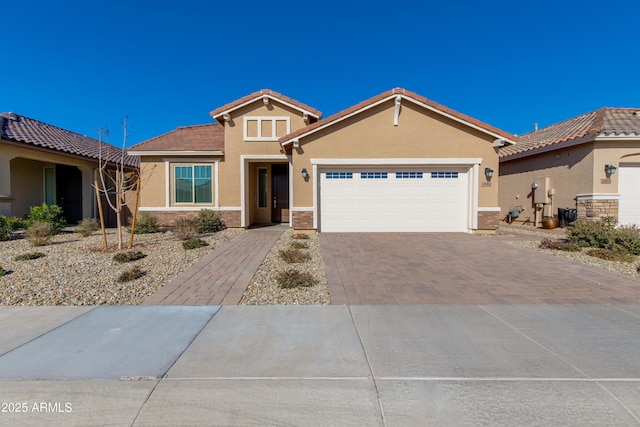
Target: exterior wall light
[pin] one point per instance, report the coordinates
(610, 170)
(488, 172)
(534, 185)
(305, 174)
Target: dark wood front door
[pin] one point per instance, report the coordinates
(280, 193)
(69, 192)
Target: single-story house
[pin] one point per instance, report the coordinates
(41, 163)
(395, 162)
(590, 163)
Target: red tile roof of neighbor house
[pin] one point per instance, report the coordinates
(207, 137)
(15, 127)
(235, 104)
(610, 122)
(398, 91)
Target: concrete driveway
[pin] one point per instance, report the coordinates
(452, 268)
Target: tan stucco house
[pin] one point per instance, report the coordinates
(41, 163)
(395, 162)
(590, 163)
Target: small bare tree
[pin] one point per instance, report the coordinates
(115, 180)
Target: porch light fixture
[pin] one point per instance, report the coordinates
(488, 172)
(534, 185)
(305, 174)
(610, 170)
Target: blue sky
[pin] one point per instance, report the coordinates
(84, 64)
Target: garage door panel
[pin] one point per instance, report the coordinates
(410, 201)
(629, 190)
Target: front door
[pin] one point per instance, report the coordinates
(69, 192)
(280, 193)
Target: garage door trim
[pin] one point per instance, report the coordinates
(471, 163)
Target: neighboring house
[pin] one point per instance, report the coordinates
(41, 163)
(590, 163)
(395, 162)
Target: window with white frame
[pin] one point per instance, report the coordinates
(266, 128)
(193, 184)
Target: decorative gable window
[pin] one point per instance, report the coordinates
(266, 128)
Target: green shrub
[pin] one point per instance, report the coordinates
(131, 274)
(87, 226)
(5, 230)
(2, 271)
(29, 256)
(146, 224)
(292, 278)
(194, 244)
(209, 221)
(185, 229)
(293, 256)
(609, 255)
(299, 245)
(48, 213)
(16, 223)
(129, 256)
(39, 233)
(591, 234)
(561, 245)
(301, 236)
(626, 239)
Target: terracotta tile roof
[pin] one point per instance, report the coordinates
(235, 104)
(207, 137)
(603, 122)
(29, 131)
(388, 94)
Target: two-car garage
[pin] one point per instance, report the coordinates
(394, 199)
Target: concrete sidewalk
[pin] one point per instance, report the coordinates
(321, 365)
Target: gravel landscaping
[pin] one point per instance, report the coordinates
(533, 243)
(76, 271)
(264, 288)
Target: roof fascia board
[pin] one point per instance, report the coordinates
(331, 123)
(408, 98)
(31, 146)
(617, 138)
(459, 120)
(270, 97)
(175, 153)
(552, 147)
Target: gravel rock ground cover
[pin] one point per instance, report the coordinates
(76, 271)
(264, 288)
(533, 243)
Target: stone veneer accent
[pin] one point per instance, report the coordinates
(169, 218)
(302, 220)
(488, 220)
(594, 210)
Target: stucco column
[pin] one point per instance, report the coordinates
(5, 185)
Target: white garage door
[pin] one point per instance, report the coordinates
(394, 199)
(629, 189)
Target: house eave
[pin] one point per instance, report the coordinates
(271, 97)
(175, 153)
(548, 148)
(287, 142)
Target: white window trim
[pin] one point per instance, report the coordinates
(167, 178)
(260, 119)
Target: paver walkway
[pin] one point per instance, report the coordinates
(221, 277)
(452, 268)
